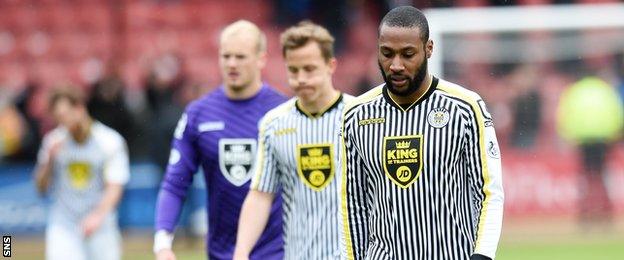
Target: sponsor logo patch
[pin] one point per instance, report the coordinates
(211, 126)
(315, 164)
(79, 174)
(370, 121)
(286, 131)
(402, 159)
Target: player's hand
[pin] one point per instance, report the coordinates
(55, 148)
(165, 254)
(91, 223)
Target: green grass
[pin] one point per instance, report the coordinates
(514, 245)
(567, 248)
(184, 255)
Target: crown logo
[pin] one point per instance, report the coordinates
(403, 145)
(315, 152)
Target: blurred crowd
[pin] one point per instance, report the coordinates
(524, 97)
(145, 118)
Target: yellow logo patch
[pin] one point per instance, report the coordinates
(79, 174)
(402, 158)
(315, 164)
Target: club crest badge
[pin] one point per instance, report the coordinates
(236, 159)
(80, 174)
(402, 159)
(438, 117)
(315, 165)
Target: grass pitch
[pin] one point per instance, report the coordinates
(537, 240)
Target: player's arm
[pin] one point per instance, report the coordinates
(116, 175)
(353, 198)
(43, 172)
(50, 148)
(257, 206)
(253, 219)
(110, 199)
(183, 163)
(484, 164)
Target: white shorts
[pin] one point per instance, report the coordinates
(64, 240)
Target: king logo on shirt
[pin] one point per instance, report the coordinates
(402, 159)
(315, 164)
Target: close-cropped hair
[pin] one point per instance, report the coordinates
(246, 27)
(407, 17)
(299, 35)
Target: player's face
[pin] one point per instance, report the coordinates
(309, 74)
(67, 114)
(403, 58)
(239, 60)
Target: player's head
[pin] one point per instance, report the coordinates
(308, 50)
(67, 105)
(404, 47)
(242, 54)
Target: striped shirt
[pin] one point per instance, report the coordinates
(422, 182)
(298, 152)
(81, 170)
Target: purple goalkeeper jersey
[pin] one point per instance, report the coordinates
(220, 134)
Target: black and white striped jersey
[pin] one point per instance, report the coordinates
(299, 152)
(420, 182)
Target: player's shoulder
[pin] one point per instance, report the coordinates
(57, 133)
(346, 98)
(272, 92)
(270, 97)
(106, 137)
(205, 101)
(458, 92)
(280, 111)
(364, 99)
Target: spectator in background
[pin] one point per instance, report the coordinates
(371, 78)
(19, 129)
(331, 14)
(526, 106)
(163, 88)
(11, 128)
(619, 69)
(590, 116)
(107, 105)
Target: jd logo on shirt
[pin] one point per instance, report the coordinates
(315, 164)
(402, 158)
(236, 159)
